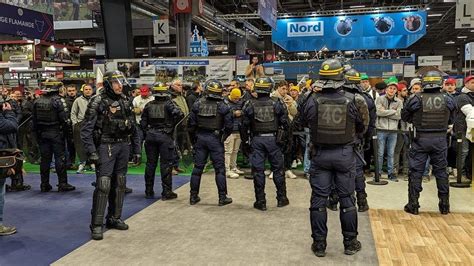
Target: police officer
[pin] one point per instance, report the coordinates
(210, 123)
(109, 126)
(366, 107)
(264, 124)
(50, 120)
(334, 123)
(430, 112)
(159, 117)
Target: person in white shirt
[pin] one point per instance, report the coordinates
(78, 111)
(139, 103)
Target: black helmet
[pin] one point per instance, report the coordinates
(331, 73)
(352, 79)
(264, 85)
(213, 88)
(160, 89)
(51, 85)
(114, 76)
(432, 80)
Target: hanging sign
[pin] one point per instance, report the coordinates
(161, 30)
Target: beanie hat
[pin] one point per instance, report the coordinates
(364, 77)
(468, 78)
(235, 94)
(401, 86)
(391, 81)
(296, 88)
(450, 81)
(415, 81)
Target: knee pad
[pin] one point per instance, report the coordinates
(318, 203)
(347, 203)
(103, 184)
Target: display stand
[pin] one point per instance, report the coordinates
(376, 180)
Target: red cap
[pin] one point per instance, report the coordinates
(468, 78)
(401, 86)
(144, 90)
(450, 81)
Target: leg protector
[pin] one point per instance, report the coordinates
(318, 216)
(99, 200)
(116, 201)
(348, 214)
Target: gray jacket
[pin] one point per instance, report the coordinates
(388, 114)
(78, 109)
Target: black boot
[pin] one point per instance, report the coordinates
(168, 195)
(96, 232)
(224, 200)
(194, 198)
(351, 245)
(283, 201)
(45, 187)
(412, 205)
(113, 223)
(362, 202)
(319, 248)
(260, 205)
(149, 193)
(63, 187)
(443, 204)
(128, 190)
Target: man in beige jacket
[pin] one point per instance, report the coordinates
(281, 92)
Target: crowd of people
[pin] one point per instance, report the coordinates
(326, 125)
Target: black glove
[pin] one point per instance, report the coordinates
(94, 158)
(137, 159)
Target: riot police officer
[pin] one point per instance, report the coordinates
(366, 107)
(210, 123)
(430, 112)
(50, 120)
(263, 130)
(109, 127)
(159, 117)
(334, 123)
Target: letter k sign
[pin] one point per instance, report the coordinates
(160, 28)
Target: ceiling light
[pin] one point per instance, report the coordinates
(450, 42)
(428, 8)
(435, 15)
(78, 40)
(225, 52)
(472, 30)
(462, 37)
(362, 6)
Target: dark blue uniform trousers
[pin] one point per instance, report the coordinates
(208, 144)
(262, 148)
(52, 143)
(436, 148)
(111, 181)
(333, 165)
(159, 145)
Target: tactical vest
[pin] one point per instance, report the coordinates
(334, 125)
(45, 113)
(157, 116)
(117, 121)
(433, 115)
(265, 120)
(208, 116)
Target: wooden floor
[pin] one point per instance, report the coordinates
(426, 239)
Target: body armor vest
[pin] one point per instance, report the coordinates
(45, 113)
(208, 116)
(157, 116)
(334, 125)
(265, 120)
(433, 115)
(116, 122)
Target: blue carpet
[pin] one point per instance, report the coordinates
(51, 225)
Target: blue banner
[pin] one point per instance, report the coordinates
(268, 12)
(358, 32)
(26, 23)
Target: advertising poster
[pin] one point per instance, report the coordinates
(194, 73)
(147, 73)
(129, 69)
(166, 73)
(354, 32)
(16, 52)
(221, 69)
(24, 22)
(59, 54)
